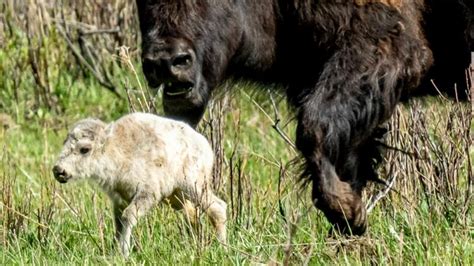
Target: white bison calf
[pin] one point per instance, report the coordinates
(139, 160)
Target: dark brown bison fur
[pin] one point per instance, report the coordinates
(345, 65)
(448, 26)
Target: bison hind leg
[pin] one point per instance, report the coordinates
(179, 202)
(216, 209)
(202, 198)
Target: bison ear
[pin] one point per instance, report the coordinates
(88, 128)
(85, 134)
(95, 133)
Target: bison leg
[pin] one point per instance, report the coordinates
(338, 199)
(118, 212)
(215, 208)
(179, 202)
(202, 196)
(138, 207)
(337, 122)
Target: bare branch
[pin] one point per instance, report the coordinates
(276, 123)
(100, 78)
(99, 31)
(370, 206)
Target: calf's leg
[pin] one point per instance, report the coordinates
(179, 202)
(214, 207)
(138, 207)
(118, 211)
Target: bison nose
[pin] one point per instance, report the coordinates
(168, 62)
(60, 174)
(167, 67)
(181, 61)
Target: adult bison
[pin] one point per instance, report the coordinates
(345, 65)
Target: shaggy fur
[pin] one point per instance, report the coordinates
(345, 65)
(448, 31)
(140, 160)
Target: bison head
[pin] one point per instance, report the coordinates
(186, 46)
(76, 158)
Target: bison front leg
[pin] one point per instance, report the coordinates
(336, 127)
(138, 207)
(118, 211)
(334, 195)
(336, 198)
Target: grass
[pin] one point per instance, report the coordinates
(44, 222)
(426, 219)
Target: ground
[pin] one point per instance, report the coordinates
(427, 217)
(45, 222)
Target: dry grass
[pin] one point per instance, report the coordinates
(423, 215)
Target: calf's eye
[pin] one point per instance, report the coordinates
(84, 150)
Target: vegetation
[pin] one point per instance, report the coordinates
(61, 63)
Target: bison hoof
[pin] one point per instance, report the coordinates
(344, 210)
(348, 228)
(351, 220)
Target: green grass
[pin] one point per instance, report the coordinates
(52, 223)
(43, 222)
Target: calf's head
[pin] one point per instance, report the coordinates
(186, 46)
(76, 158)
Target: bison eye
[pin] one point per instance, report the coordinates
(84, 150)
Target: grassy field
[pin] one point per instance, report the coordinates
(427, 217)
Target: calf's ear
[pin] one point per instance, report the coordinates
(94, 129)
